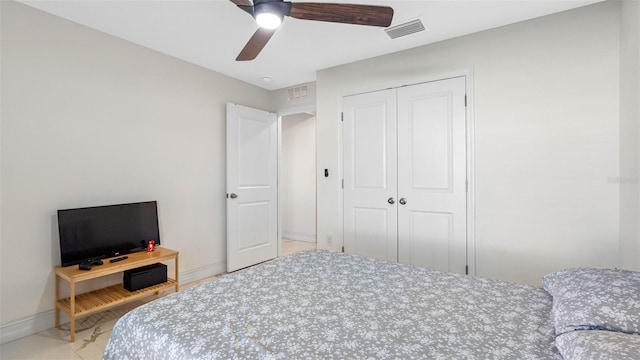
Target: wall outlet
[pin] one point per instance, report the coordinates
(329, 240)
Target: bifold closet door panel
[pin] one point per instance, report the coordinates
(432, 175)
(370, 175)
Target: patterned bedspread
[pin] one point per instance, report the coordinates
(324, 305)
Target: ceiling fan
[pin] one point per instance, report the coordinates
(270, 13)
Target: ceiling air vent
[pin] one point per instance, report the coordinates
(410, 27)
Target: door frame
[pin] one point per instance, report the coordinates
(470, 144)
(281, 113)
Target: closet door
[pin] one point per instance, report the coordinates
(370, 175)
(432, 175)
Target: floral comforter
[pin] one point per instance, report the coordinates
(324, 305)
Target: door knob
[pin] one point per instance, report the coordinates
(233, 196)
(402, 201)
(391, 200)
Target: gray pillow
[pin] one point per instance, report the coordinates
(603, 299)
(598, 345)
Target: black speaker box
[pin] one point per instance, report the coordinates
(142, 277)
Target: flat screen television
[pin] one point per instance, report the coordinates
(105, 231)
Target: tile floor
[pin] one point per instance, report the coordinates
(292, 246)
(92, 332)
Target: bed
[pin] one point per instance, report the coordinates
(325, 305)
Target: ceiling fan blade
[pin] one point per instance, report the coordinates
(343, 13)
(245, 5)
(255, 44)
(242, 2)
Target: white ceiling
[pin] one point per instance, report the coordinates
(211, 33)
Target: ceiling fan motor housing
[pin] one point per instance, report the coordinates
(277, 7)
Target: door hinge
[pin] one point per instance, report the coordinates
(343, 249)
(466, 270)
(343, 183)
(341, 116)
(466, 186)
(465, 100)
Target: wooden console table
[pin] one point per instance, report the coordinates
(101, 299)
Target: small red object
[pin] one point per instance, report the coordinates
(151, 245)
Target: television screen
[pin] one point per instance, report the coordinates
(105, 231)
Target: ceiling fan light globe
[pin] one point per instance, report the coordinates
(268, 20)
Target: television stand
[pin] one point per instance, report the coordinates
(101, 299)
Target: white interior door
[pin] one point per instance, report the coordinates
(432, 167)
(252, 191)
(370, 177)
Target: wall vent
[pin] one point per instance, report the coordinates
(297, 92)
(404, 29)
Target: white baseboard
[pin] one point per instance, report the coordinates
(46, 320)
(298, 236)
(203, 272)
(27, 326)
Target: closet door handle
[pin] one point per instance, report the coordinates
(233, 196)
(391, 200)
(402, 201)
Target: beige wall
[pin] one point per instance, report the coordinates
(89, 119)
(629, 134)
(546, 106)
